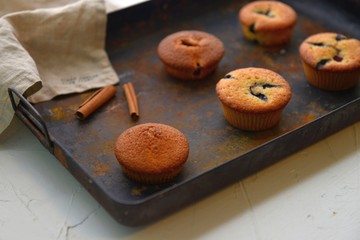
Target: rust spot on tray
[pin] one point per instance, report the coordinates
(137, 191)
(59, 154)
(57, 113)
(304, 119)
(62, 114)
(99, 168)
(100, 147)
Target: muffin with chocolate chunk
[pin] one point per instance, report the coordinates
(253, 98)
(190, 55)
(151, 153)
(331, 61)
(269, 23)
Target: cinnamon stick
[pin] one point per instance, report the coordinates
(92, 103)
(132, 100)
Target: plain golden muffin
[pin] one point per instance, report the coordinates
(253, 98)
(269, 23)
(190, 55)
(151, 153)
(331, 61)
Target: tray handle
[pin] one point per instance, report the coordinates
(31, 117)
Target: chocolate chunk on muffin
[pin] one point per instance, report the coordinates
(331, 61)
(269, 23)
(190, 55)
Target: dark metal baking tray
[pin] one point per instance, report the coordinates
(219, 153)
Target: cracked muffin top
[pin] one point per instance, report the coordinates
(254, 90)
(190, 50)
(331, 52)
(152, 148)
(267, 15)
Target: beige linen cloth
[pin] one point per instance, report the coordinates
(52, 51)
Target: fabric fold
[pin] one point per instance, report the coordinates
(23, 77)
(61, 49)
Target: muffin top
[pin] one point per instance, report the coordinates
(151, 148)
(331, 52)
(267, 15)
(253, 90)
(190, 49)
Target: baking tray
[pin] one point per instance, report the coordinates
(219, 153)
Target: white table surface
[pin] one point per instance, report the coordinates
(313, 194)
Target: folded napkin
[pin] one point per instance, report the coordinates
(60, 49)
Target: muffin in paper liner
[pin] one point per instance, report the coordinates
(151, 153)
(269, 23)
(253, 99)
(190, 54)
(331, 61)
(251, 121)
(151, 178)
